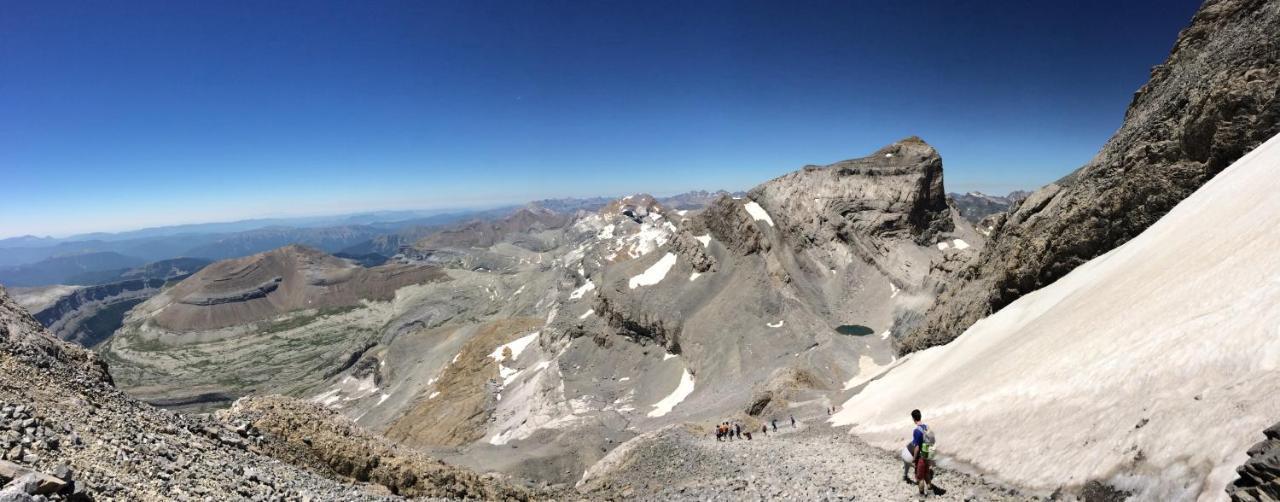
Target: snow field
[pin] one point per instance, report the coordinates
(1155, 361)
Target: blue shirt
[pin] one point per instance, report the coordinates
(917, 436)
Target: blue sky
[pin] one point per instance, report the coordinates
(121, 115)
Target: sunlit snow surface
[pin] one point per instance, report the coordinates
(1166, 349)
(669, 403)
(758, 213)
(516, 347)
(582, 290)
(655, 273)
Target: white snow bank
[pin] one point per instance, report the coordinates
(668, 355)
(758, 213)
(943, 246)
(582, 290)
(775, 325)
(587, 314)
(517, 346)
(694, 276)
(704, 239)
(682, 391)
(867, 369)
(960, 244)
(1165, 349)
(655, 273)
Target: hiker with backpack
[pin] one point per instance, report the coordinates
(922, 450)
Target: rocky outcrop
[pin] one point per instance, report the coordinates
(1213, 100)
(895, 192)
(240, 295)
(732, 226)
(689, 248)
(319, 438)
(1260, 475)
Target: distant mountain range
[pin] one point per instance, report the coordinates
(974, 206)
(97, 258)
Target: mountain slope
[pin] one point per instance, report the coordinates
(1212, 100)
(277, 321)
(235, 292)
(66, 418)
(1152, 367)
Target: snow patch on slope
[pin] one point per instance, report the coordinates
(682, 391)
(582, 290)
(758, 213)
(655, 273)
(517, 346)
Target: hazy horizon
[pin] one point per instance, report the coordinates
(151, 114)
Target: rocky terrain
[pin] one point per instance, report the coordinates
(534, 343)
(1260, 475)
(811, 462)
(1214, 99)
(71, 435)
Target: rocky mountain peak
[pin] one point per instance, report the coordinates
(896, 192)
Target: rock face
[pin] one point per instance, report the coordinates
(1212, 100)
(1260, 475)
(895, 192)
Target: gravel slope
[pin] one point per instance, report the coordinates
(812, 462)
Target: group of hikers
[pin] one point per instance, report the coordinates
(726, 431)
(917, 456)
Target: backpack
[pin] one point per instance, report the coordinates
(927, 446)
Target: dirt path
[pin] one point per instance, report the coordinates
(807, 463)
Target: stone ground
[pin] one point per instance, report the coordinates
(813, 462)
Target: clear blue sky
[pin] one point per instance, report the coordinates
(120, 115)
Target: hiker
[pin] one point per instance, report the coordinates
(748, 434)
(737, 429)
(921, 448)
(775, 424)
(728, 431)
(764, 430)
(793, 421)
